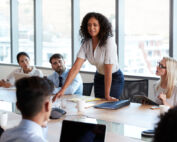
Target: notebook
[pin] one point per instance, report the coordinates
(113, 105)
(74, 131)
(18, 76)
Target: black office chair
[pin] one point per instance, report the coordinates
(1, 131)
(87, 89)
(134, 87)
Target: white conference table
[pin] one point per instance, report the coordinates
(123, 125)
(8, 94)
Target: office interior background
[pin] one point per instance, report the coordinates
(144, 30)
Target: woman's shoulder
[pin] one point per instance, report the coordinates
(156, 83)
(17, 70)
(110, 42)
(110, 39)
(36, 71)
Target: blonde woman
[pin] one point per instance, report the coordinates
(165, 90)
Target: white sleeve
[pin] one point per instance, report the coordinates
(175, 96)
(10, 78)
(38, 73)
(111, 52)
(82, 53)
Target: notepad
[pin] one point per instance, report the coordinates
(86, 99)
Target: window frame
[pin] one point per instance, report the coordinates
(75, 43)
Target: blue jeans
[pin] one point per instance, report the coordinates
(116, 86)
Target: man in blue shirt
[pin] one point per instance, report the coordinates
(60, 75)
(34, 102)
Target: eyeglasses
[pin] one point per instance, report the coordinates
(160, 65)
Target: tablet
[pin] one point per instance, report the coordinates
(144, 99)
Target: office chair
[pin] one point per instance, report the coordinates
(134, 87)
(1, 131)
(87, 89)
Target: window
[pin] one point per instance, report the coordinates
(56, 30)
(106, 7)
(26, 27)
(146, 31)
(146, 35)
(5, 54)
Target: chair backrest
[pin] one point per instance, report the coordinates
(1, 131)
(87, 89)
(134, 87)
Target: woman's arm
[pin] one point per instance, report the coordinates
(71, 75)
(5, 84)
(108, 81)
(163, 98)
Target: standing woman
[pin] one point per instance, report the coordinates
(165, 90)
(99, 48)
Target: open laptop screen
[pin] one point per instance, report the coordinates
(73, 131)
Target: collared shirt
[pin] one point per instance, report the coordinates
(34, 72)
(76, 87)
(106, 54)
(26, 131)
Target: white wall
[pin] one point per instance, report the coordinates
(87, 77)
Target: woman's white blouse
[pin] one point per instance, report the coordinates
(157, 90)
(35, 72)
(106, 54)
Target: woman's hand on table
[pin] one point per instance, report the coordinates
(109, 98)
(58, 95)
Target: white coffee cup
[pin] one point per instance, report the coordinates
(163, 108)
(3, 119)
(80, 105)
(63, 103)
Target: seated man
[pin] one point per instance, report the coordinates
(23, 60)
(61, 73)
(34, 102)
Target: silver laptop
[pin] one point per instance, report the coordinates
(74, 131)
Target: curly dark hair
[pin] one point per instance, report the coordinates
(166, 128)
(105, 28)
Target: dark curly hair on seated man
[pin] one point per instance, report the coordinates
(105, 28)
(166, 129)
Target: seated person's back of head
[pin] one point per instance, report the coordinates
(166, 128)
(34, 102)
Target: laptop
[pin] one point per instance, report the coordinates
(74, 131)
(18, 76)
(113, 105)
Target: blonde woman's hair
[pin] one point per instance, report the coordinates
(171, 76)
